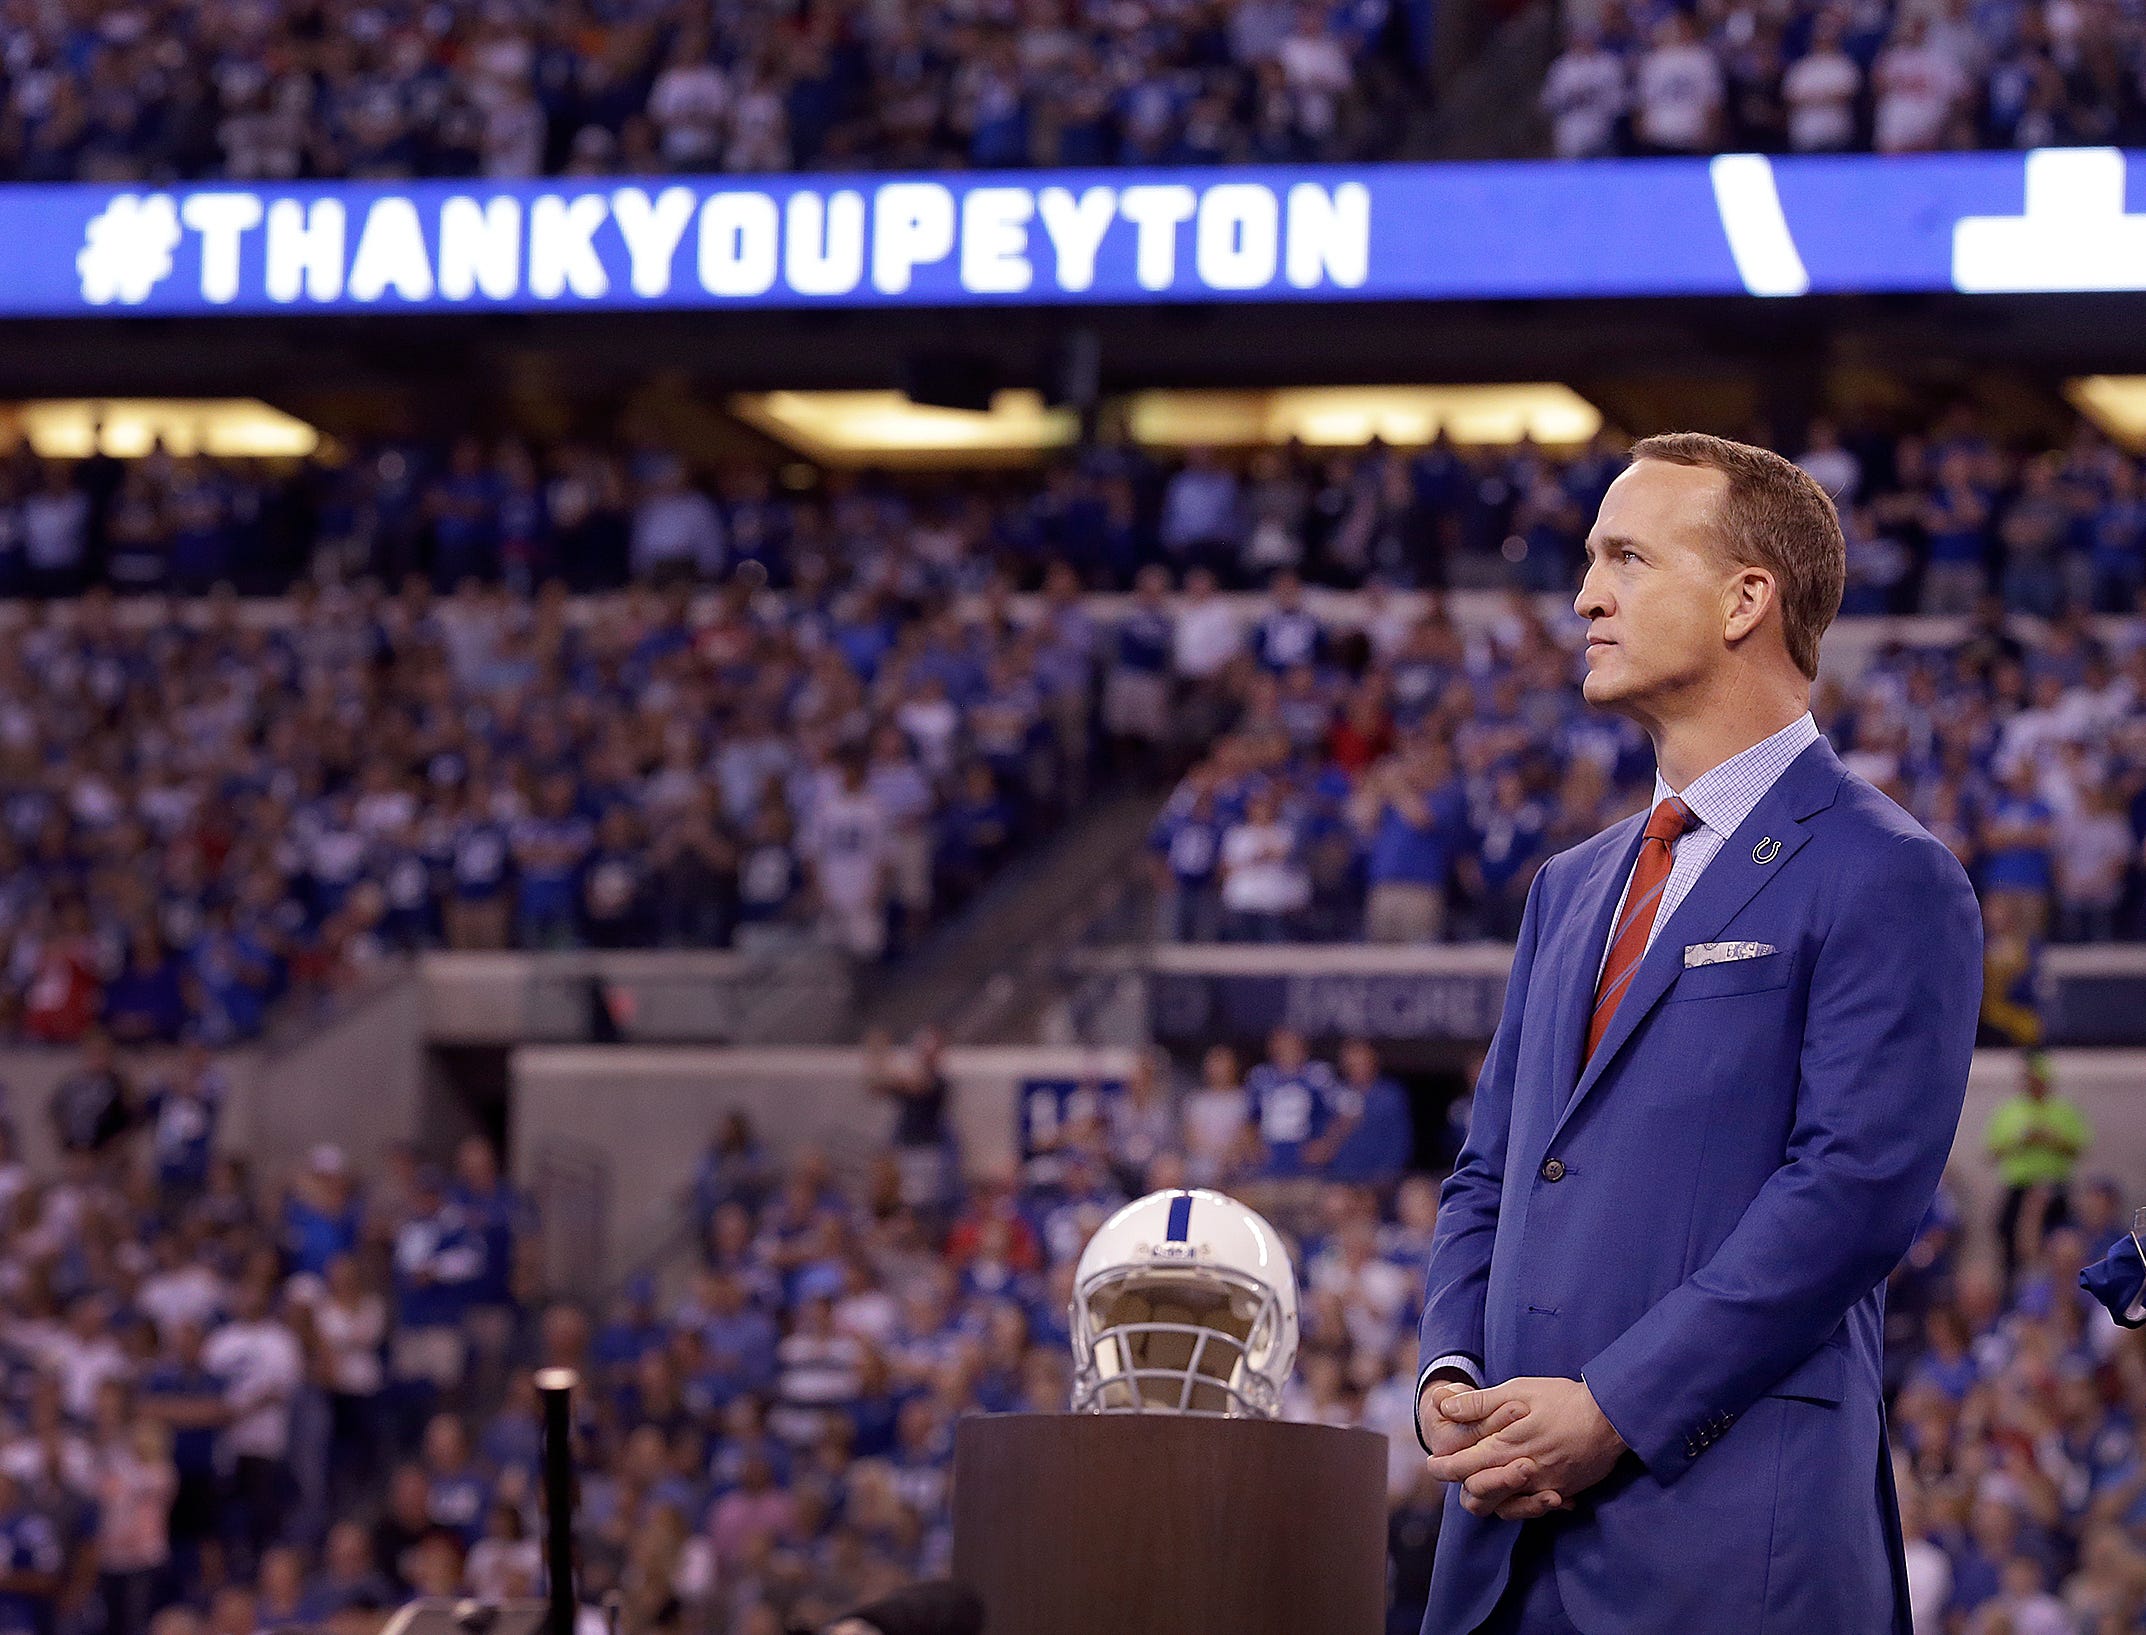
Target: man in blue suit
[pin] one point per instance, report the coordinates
(1730, 1064)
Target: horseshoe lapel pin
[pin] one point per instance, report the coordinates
(1766, 850)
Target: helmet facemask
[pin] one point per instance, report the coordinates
(1175, 1340)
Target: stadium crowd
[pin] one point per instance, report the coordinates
(861, 720)
(1404, 782)
(236, 1403)
(1828, 77)
(161, 90)
(203, 818)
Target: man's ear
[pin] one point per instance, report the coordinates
(1749, 594)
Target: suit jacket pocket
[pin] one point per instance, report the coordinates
(1820, 1377)
(1732, 976)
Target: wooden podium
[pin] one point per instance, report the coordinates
(1159, 1524)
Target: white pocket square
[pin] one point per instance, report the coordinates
(1720, 953)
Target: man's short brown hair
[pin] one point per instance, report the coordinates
(1774, 516)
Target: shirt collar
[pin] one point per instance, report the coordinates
(1723, 796)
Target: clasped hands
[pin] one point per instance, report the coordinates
(1521, 1449)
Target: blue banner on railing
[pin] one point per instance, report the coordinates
(1739, 224)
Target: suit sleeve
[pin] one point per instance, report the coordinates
(1887, 1038)
(1451, 1332)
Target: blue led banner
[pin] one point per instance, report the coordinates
(1740, 224)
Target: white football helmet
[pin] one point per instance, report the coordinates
(1184, 1302)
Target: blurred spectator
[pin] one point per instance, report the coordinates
(1919, 87)
(439, 1257)
(1678, 92)
(1145, 1124)
(349, 1330)
(183, 1110)
(733, 1169)
(135, 1486)
(2091, 854)
(1218, 1121)
(2037, 1138)
(1585, 97)
(2018, 842)
(1265, 885)
(1821, 89)
(257, 1358)
(847, 845)
(93, 1105)
(1292, 1101)
(1410, 813)
(923, 1133)
(1373, 1139)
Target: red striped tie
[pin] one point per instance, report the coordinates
(1668, 820)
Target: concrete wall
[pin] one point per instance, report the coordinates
(358, 1082)
(670, 995)
(641, 1116)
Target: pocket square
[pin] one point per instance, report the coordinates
(1720, 953)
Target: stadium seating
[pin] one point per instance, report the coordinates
(180, 90)
(1818, 78)
(290, 852)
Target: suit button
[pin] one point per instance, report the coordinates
(1553, 1169)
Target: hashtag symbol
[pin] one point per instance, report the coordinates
(126, 252)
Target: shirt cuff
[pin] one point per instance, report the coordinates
(1460, 1363)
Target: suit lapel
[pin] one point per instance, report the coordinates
(1593, 906)
(1746, 861)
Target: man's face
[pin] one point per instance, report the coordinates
(1654, 596)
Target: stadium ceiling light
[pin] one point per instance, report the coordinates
(847, 428)
(886, 428)
(2115, 403)
(1339, 416)
(128, 428)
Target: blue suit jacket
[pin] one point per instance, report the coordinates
(1741, 1163)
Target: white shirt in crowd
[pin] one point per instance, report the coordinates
(513, 138)
(1833, 468)
(55, 528)
(1918, 87)
(351, 1336)
(1680, 90)
(31, 1462)
(1207, 637)
(1260, 874)
(847, 840)
(1374, 1297)
(689, 102)
(677, 525)
(1213, 1120)
(931, 721)
(1584, 93)
(261, 1368)
(82, 1366)
(1820, 90)
(2092, 850)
